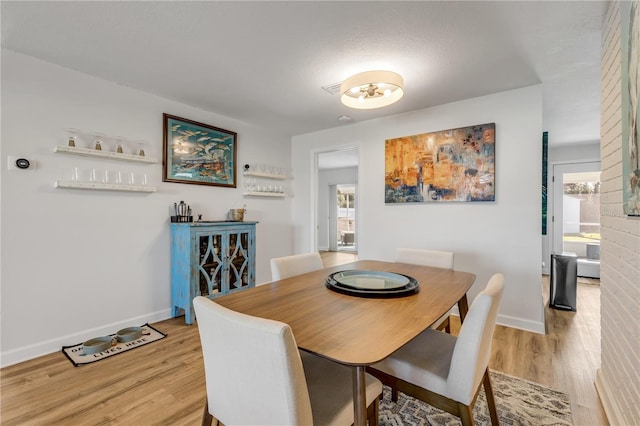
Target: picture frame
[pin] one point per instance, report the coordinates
(198, 153)
(454, 165)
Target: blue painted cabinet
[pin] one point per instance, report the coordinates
(210, 259)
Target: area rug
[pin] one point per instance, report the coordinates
(76, 355)
(519, 403)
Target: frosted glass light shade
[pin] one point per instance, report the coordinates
(372, 89)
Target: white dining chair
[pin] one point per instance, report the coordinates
(255, 374)
(297, 264)
(447, 371)
(435, 258)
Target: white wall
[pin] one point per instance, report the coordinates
(578, 153)
(326, 178)
(80, 264)
(486, 237)
(618, 380)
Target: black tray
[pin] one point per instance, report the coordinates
(380, 284)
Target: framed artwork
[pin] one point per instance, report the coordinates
(448, 165)
(630, 77)
(198, 153)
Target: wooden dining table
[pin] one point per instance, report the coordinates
(351, 330)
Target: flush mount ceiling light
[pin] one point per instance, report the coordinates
(372, 89)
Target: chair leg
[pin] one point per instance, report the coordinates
(394, 394)
(373, 412)
(445, 326)
(491, 402)
(207, 418)
(466, 414)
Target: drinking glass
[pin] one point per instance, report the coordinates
(141, 148)
(72, 136)
(98, 138)
(120, 141)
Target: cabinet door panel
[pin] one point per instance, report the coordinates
(211, 264)
(238, 267)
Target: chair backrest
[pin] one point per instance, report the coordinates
(254, 374)
(297, 264)
(473, 348)
(435, 258)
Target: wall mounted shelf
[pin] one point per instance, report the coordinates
(265, 194)
(87, 152)
(265, 175)
(104, 186)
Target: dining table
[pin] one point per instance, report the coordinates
(352, 330)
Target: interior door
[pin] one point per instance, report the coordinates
(333, 218)
(346, 212)
(576, 214)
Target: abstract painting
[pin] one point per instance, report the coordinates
(448, 165)
(198, 153)
(630, 76)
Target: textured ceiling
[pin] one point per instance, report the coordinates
(265, 62)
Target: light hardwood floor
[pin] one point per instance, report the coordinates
(163, 383)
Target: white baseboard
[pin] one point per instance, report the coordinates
(55, 345)
(519, 323)
(513, 322)
(611, 409)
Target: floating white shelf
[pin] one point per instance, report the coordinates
(87, 152)
(265, 194)
(265, 175)
(104, 186)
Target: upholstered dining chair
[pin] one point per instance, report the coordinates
(447, 371)
(255, 374)
(435, 258)
(289, 266)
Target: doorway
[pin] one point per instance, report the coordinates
(336, 200)
(576, 214)
(346, 217)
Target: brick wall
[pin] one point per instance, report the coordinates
(618, 380)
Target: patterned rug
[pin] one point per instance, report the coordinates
(519, 403)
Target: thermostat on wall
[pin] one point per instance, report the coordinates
(15, 162)
(22, 163)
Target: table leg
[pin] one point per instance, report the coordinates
(359, 396)
(463, 307)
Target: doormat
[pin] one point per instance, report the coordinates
(76, 355)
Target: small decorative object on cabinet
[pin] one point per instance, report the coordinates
(210, 259)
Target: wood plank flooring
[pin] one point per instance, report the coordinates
(163, 383)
